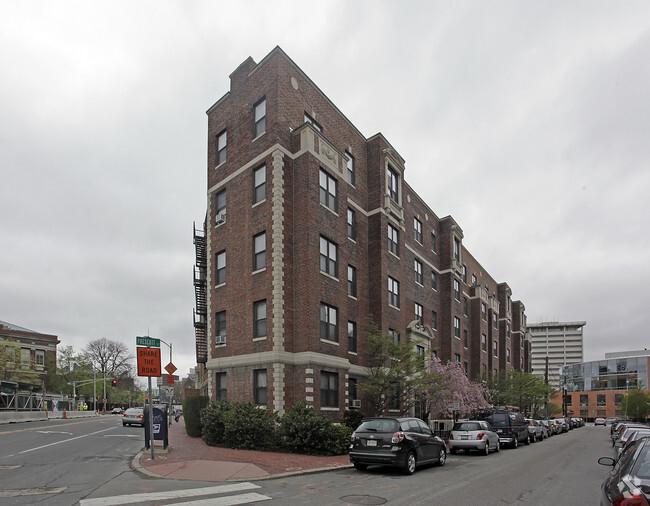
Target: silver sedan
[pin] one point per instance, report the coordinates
(473, 435)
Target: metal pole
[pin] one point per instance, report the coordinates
(104, 392)
(74, 396)
(151, 420)
(94, 390)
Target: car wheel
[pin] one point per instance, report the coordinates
(515, 443)
(527, 442)
(486, 452)
(533, 438)
(123, 424)
(498, 448)
(360, 467)
(442, 457)
(409, 465)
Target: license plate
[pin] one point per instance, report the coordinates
(371, 442)
(464, 437)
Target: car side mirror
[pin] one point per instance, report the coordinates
(606, 461)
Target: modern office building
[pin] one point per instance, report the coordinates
(554, 345)
(311, 229)
(595, 389)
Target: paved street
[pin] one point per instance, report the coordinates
(88, 461)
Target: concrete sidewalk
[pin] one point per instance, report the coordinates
(191, 459)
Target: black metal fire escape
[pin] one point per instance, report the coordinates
(200, 292)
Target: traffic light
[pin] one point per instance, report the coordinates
(114, 382)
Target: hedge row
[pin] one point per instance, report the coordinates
(248, 426)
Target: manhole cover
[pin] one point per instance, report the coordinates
(363, 499)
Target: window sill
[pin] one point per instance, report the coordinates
(394, 307)
(329, 342)
(220, 165)
(324, 408)
(353, 297)
(258, 271)
(327, 275)
(335, 213)
(263, 338)
(220, 285)
(259, 136)
(258, 203)
(352, 353)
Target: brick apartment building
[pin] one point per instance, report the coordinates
(310, 228)
(27, 348)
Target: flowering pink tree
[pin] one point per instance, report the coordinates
(457, 388)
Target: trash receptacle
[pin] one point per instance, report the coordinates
(160, 429)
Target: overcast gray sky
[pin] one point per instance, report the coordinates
(528, 122)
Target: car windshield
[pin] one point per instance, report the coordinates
(467, 426)
(498, 419)
(379, 425)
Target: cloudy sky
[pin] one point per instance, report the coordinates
(528, 122)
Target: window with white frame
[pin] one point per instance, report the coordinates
(220, 202)
(259, 387)
(259, 319)
(434, 280)
(352, 224)
(352, 337)
(259, 251)
(40, 358)
(417, 267)
(483, 342)
(393, 240)
(393, 184)
(418, 313)
(434, 320)
(220, 276)
(313, 122)
(456, 327)
(434, 245)
(220, 326)
(350, 164)
(329, 389)
(474, 280)
(456, 290)
(417, 230)
(222, 141)
(260, 117)
(328, 191)
(495, 348)
(393, 292)
(352, 280)
(259, 184)
(483, 312)
(508, 355)
(457, 249)
(329, 322)
(25, 356)
(329, 257)
(220, 381)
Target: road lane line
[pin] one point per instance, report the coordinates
(64, 441)
(48, 426)
(171, 494)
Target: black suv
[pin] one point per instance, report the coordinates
(511, 427)
(401, 442)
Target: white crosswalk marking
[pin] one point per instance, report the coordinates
(179, 494)
(227, 501)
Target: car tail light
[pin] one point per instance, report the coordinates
(140, 416)
(397, 437)
(124, 414)
(353, 436)
(480, 435)
(451, 436)
(630, 499)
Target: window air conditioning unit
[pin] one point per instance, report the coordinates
(356, 403)
(220, 339)
(221, 217)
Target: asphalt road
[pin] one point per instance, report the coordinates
(87, 462)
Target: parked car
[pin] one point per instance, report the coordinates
(511, 427)
(400, 442)
(561, 425)
(627, 434)
(133, 416)
(548, 427)
(620, 428)
(600, 421)
(640, 434)
(473, 435)
(629, 480)
(534, 430)
(611, 420)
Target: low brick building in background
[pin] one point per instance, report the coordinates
(33, 351)
(310, 229)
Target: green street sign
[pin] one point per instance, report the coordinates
(147, 341)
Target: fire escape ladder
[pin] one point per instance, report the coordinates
(200, 313)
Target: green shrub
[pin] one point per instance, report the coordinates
(339, 437)
(352, 418)
(192, 407)
(212, 427)
(249, 427)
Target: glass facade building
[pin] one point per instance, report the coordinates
(609, 374)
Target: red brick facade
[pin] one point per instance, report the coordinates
(297, 157)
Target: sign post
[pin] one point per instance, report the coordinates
(149, 365)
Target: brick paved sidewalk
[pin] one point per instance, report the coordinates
(191, 459)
